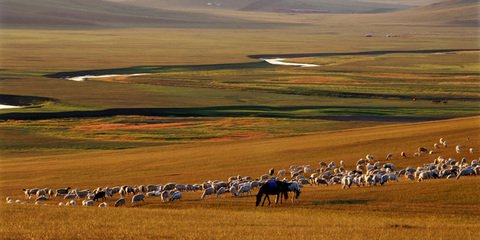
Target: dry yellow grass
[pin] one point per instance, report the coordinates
(436, 209)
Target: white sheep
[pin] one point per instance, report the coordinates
(164, 196)
(120, 202)
(244, 189)
(177, 195)
(281, 172)
(41, 198)
(233, 190)
(206, 192)
(221, 191)
(137, 198)
(103, 205)
(458, 149)
(346, 182)
(471, 150)
(389, 156)
(87, 203)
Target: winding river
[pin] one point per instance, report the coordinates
(3, 106)
(85, 77)
(273, 59)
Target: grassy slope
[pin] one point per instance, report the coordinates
(450, 12)
(203, 161)
(68, 14)
(397, 209)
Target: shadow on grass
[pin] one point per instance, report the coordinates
(340, 202)
(336, 113)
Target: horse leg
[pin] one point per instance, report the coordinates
(265, 198)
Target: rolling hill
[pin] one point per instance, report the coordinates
(452, 12)
(292, 6)
(99, 13)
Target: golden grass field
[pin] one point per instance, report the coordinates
(236, 116)
(439, 209)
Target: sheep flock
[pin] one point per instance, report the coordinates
(368, 172)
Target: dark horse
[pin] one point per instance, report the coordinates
(277, 188)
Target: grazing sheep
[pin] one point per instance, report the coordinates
(389, 156)
(422, 150)
(474, 163)
(180, 187)
(41, 192)
(233, 190)
(41, 198)
(61, 204)
(81, 194)
(99, 195)
(323, 164)
(471, 150)
(431, 152)
(458, 149)
(281, 172)
(410, 176)
(466, 172)
(103, 205)
(264, 177)
(403, 154)
(71, 203)
(244, 189)
(361, 161)
(331, 164)
(221, 191)
(88, 203)
(346, 182)
(177, 195)
(62, 191)
(206, 192)
(417, 154)
(271, 171)
(445, 144)
(164, 196)
(436, 145)
(120, 202)
(70, 196)
(137, 197)
(319, 181)
(369, 157)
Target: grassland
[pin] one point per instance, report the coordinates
(209, 111)
(432, 209)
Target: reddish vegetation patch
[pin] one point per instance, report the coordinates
(325, 80)
(413, 76)
(119, 126)
(312, 80)
(251, 135)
